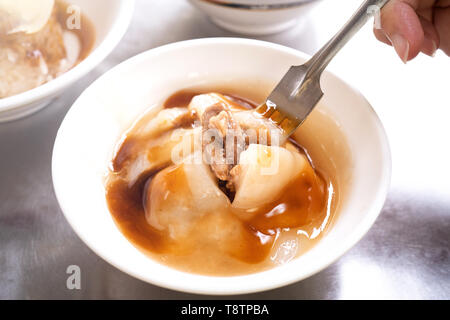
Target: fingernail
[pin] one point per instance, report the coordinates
(435, 49)
(401, 46)
(429, 47)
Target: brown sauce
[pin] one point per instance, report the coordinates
(304, 208)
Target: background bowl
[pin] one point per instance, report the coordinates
(110, 19)
(87, 137)
(255, 17)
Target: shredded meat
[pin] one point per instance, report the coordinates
(223, 140)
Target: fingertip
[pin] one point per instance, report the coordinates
(431, 39)
(403, 29)
(381, 36)
(402, 47)
(429, 47)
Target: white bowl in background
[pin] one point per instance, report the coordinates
(110, 19)
(86, 139)
(255, 17)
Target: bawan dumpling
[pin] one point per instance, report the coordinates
(180, 195)
(263, 173)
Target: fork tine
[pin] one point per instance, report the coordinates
(289, 125)
(277, 117)
(265, 110)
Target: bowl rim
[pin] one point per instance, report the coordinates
(351, 239)
(287, 4)
(95, 57)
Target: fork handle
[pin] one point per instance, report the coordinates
(323, 57)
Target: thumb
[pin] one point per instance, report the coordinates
(402, 28)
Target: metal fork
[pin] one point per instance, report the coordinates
(298, 92)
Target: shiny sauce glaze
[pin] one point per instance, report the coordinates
(300, 215)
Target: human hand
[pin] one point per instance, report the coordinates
(414, 26)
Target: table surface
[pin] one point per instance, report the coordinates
(404, 256)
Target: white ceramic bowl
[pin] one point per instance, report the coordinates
(85, 142)
(110, 19)
(255, 17)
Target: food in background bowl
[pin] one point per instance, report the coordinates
(35, 53)
(207, 185)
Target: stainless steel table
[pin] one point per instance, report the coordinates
(405, 254)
